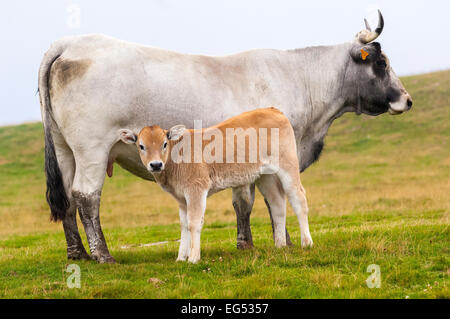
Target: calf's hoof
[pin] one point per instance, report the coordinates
(280, 244)
(307, 242)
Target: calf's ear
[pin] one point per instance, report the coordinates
(176, 132)
(127, 136)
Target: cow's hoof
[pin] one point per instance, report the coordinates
(194, 260)
(78, 254)
(289, 242)
(103, 258)
(242, 244)
(107, 260)
(182, 258)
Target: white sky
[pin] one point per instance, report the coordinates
(415, 37)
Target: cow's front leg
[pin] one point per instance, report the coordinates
(243, 199)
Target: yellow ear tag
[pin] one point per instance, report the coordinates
(364, 54)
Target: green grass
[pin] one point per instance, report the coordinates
(379, 195)
(410, 250)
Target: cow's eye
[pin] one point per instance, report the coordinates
(141, 147)
(164, 145)
(381, 63)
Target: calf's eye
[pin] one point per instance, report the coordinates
(164, 145)
(141, 147)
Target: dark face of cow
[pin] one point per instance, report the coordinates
(378, 89)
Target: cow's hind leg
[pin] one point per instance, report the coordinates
(66, 163)
(75, 248)
(87, 186)
(243, 199)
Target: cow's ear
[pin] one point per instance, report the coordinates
(366, 53)
(127, 136)
(176, 132)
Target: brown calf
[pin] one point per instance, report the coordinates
(230, 154)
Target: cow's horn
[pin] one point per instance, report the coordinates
(366, 36)
(367, 25)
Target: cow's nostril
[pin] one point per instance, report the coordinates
(409, 102)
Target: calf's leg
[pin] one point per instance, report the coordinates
(288, 238)
(185, 242)
(270, 187)
(296, 195)
(196, 205)
(243, 199)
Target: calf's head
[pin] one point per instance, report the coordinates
(376, 88)
(153, 144)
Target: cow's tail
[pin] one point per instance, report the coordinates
(56, 194)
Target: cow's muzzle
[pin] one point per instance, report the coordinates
(402, 105)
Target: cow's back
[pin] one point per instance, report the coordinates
(127, 81)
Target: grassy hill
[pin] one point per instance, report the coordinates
(378, 195)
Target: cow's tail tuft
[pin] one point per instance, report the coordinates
(56, 194)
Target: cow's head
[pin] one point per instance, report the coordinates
(376, 87)
(153, 144)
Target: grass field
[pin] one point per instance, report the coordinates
(379, 195)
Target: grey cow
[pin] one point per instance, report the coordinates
(91, 86)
